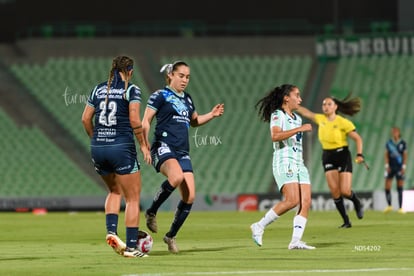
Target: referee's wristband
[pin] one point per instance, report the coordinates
(360, 155)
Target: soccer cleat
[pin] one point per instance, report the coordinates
(134, 253)
(172, 245)
(116, 243)
(345, 225)
(401, 211)
(359, 209)
(300, 245)
(257, 233)
(387, 209)
(151, 222)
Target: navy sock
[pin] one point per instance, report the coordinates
(164, 192)
(131, 237)
(112, 223)
(181, 214)
(388, 196)
(400, 196)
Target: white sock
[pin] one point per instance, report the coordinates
(299, 224)
(268, 218)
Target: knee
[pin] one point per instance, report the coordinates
(176, 179)
(291, 202)
(337, 192)
(187, 194)
(346, 193)
(191, 198)
(115, 190)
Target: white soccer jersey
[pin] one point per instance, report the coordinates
(289, 151)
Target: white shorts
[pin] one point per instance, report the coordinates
(287, 174)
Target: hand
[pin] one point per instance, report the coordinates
(306, 127)
(218, 110)
(359, 159)
(147, 154)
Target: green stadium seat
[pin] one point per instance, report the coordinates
(36, 167)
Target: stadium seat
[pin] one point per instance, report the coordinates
(36, 167)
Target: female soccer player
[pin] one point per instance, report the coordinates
(115, 105)
(395, 165)
(289, 171)
(175, 113)
(333, 130)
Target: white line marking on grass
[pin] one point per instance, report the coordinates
(275, 271)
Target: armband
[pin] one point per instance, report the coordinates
(404, 166)
(360, 155)
(386, 166)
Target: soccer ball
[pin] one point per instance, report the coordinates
(144, 242)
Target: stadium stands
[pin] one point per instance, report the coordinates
(233, 153)
(62, 86)
(230, 154)
(35, 167)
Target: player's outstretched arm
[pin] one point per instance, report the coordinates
(198, 120)
(306, 113)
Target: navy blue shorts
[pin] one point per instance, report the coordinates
(394, 172)
(160, 152)
(119, 159)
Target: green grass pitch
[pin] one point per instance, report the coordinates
(210, 243)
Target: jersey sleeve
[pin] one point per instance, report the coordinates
(276, 119)
(190, 100)
(348, 126)
(133, 94)
(91, 97)
(155, 100)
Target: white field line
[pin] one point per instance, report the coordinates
(255, 272)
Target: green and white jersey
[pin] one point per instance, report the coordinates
(288, 165)
(289, 151)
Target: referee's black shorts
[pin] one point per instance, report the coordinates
(337, 159)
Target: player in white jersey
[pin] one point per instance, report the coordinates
(287, 155)
(289, 171)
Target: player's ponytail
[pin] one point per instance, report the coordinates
(349, 106)
(166, 68)
(122, 64)
(110, 78)
(272, 101)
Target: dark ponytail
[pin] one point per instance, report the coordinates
(349, 106)
(272, 101)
